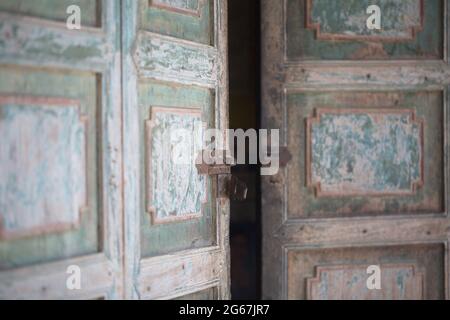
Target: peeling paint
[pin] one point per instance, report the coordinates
(365, 152)
(176, 190)
(336, 30)
(160, 57)
(348, 282)
(42, 166)
(346, 19)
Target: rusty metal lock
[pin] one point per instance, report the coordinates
(219, 164)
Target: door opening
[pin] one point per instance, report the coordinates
(244, 68)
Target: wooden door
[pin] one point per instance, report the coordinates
(364, 115)
(88, 123)
(175, 77)
(60, 150)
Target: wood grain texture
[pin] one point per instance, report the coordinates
(179, 274)
(362, 231)
(131, 151)
(204, 294)
(48, 281)
(112, 149)
(369, 75)
(222, 122)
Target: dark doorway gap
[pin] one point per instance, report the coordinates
(244, 68)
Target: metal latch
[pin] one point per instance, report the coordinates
(219, 164)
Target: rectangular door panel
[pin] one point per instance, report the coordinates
(411, 272)
(48, 163)
(190, 20)
(365, 153)
(336, 30)
(179, 212)
(91, 10)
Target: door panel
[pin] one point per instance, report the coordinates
(363, 153)
(59, 159)
(179, 212)
(63, 174)
(191, 20)
(365, 117)
(90, 17)
(411, 272)
(411, 30)
(175, 78)
(50, 149)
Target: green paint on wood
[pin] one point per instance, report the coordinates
(303, 201)
(162, 58)
(400, 18)
(85, 239)
(346, 17)
(177, 190)
(42, 166)
(178, 96)
(55, 9)
(182, 235)
(24, 41)
(368, 153)
(184, 26)
(188, 5)
(349, 282)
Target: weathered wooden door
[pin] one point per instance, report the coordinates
(175, 78)
(364, 114)
(60, 150)
(89, 138)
